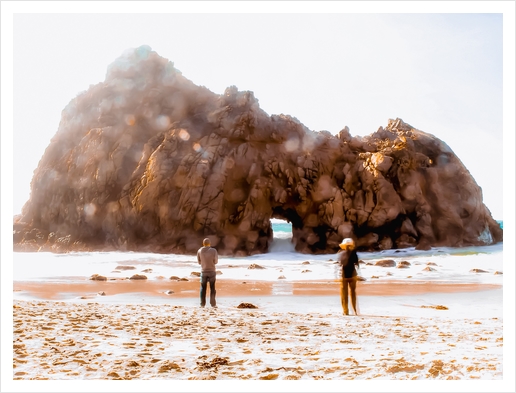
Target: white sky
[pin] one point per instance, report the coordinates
(441, 73)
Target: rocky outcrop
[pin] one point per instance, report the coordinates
(148, 161)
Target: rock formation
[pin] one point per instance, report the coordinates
(148, 161)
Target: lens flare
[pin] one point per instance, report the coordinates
(162, 122)
(89, 209)
(130, 120)
(184, 135)
(292, 144)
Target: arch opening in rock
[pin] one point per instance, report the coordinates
(282, 239)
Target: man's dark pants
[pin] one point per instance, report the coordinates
(211, 278)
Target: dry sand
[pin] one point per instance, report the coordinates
(91, 340)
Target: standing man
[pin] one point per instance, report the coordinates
(208, 258)
(348, 260)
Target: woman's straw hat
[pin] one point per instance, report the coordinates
(346, 242)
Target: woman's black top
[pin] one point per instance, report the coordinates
(348, 260)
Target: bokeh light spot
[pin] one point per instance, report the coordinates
(292, 144)
(130, 120)
(184, 135)
(89, 209)
(162, 122)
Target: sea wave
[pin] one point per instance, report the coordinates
(282, 245)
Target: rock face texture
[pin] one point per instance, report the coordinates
(148, 161)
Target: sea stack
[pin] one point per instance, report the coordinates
(149, 161)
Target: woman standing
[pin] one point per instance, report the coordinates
(348, 260)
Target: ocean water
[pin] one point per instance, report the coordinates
(447, 264)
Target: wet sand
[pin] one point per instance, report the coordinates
(233, 288)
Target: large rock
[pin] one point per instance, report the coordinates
(148, 161)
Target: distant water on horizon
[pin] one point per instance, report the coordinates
(280, 226)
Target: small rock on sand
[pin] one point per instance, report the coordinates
(138, 277)
(438, 307)
(98, 277)
(385, 263)
(175, 278)
(305, 263)
(429, 269)
(246, 305)
(255, 266)
(282, 278)
(478, 271)
(403, 265)
(196, 274)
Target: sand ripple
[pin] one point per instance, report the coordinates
(60, 341)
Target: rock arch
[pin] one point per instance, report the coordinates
(160, 165)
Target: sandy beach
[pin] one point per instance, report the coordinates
(446, 319)
(416, 331)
